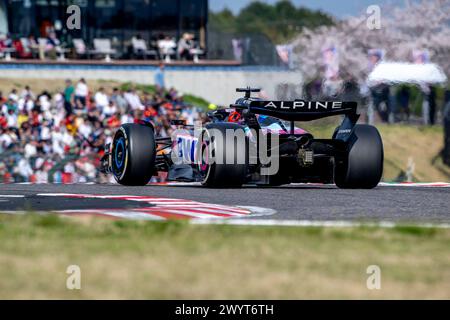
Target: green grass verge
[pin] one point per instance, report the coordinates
(160, 260)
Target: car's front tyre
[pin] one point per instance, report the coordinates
(133, 154)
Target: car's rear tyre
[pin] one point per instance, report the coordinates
(133, 154)
(362, 166)
(223, 162)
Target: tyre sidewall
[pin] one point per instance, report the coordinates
(362, 168)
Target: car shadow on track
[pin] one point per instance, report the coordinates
(287, 186)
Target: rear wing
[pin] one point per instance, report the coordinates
(301, 110)
(298, 110)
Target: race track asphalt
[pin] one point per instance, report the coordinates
(299, 202)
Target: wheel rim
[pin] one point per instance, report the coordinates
(203, 161)
(119, 156)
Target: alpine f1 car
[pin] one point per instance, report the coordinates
(352, 158)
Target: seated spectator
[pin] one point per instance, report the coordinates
(84, 128)
(119, 100)
(126, 118)
(44, 101)
(133, 100)
(10, 104)
(166, 47)
(11, 118)
(80, 48)
(114, 121)
(101, 99)
(27, 92)
(110, 109)
(30, 44)
(185, 45)
(138, 46)
(26, 103)
(22, 49)
(23, 170)
(53, 45)
(13, 95)
(5, 41)
(22, 118)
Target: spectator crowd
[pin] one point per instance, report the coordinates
(50, 46)
(60, 137)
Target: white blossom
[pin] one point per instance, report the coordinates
(423, 25)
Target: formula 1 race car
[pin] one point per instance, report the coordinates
(252, 142)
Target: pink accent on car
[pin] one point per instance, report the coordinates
(280, 131)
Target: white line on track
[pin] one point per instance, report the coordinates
(310, 223)
(11, 196)
(415, 185)
(129, 215)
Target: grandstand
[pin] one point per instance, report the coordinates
(132, 29)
